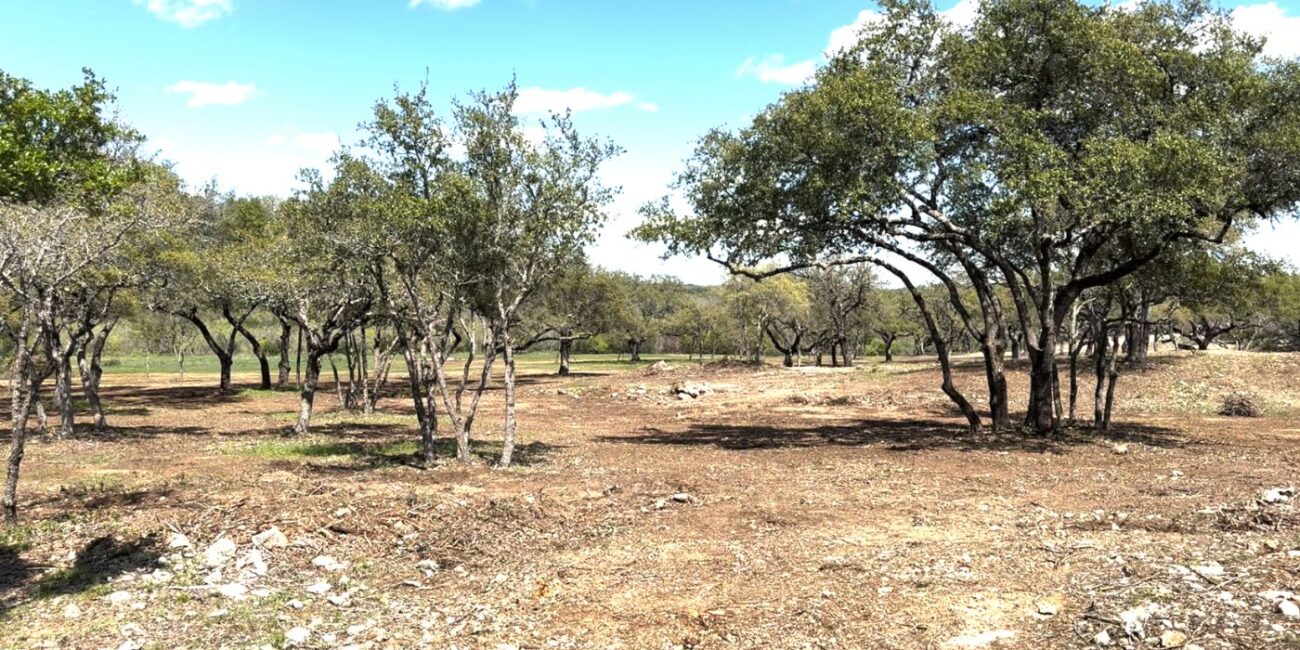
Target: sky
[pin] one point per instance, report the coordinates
(248, 92)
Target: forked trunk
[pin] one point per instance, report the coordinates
(508, 441)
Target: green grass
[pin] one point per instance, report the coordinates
(204, 364)
(309, 449)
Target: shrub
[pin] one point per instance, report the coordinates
(1241, 404)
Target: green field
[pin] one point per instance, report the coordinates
(530, 362)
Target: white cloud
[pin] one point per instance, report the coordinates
(541, 100)
(188, 13)
(649, 107)
(445, 5)
(275, 139)
(774, 69)
(1271, 22)
(208, 94)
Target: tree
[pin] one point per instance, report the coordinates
(775, 309)
(535, 206)
(890, 319)
(1050, 149)
(1218, 292)
(72, 192)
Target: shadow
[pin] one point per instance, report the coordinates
(101, 559)
(895, 435)
(14, 570)
(369, 456)
(102, 496)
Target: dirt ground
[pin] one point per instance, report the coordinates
(782, 508)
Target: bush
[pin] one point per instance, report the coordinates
(1241, 404)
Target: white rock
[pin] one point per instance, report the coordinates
(427, 565)
(132, 629)
(233, 591)
(72, 611)
(340, 600)
(119, 597)
(270, 538)
(131, 644)
(217, 613)
(295, 604)
(1288, 608)
(253, 561)
(1120, 449)
(1278, 495)
(1135, 619)
(160, 575)
(318, 588)
(1102, 638)
(220, 552)
(328, 563)
(1209, 569)
(178, 540)
(297, 636)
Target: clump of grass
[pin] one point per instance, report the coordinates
(1241, 404)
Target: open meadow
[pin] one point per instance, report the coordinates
(780, 508)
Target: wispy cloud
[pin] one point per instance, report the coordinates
(649, 107)
(445, 5)
(188, 13)
(543, 100)
(210, 94)
(774, 70)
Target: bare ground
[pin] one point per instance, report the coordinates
(784, 508)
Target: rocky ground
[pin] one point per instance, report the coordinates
(673, 507)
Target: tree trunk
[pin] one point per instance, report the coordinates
(508, 441)
(91, 372)
(566, 350)
(308, 394)
(634, 350)
(888, 340)
(995, 376)
(286, 330)
(23, 389)
(1042, 382)
(63, 391)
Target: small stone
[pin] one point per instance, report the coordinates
(1172, 639)
(132, 629)
(1049, 606)
(217, 613)
(1102, 638)
(981, 640)
(328, 563)
(233, 591)
(1119, 449)
(294, 604)
(270, 538)
(1278, 495)
(220, 552)
(340, 600)
(178, 540)
(119, 597)
(253, 561)
(427, 565)
(682, 497)
(318, 588)
(297, 636)
(72, 611)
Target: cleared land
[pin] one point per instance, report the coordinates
(783, 508)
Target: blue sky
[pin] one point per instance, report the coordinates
(249, 91)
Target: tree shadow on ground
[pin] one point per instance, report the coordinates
(362, 447)
(895, 435)
(100, 560)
